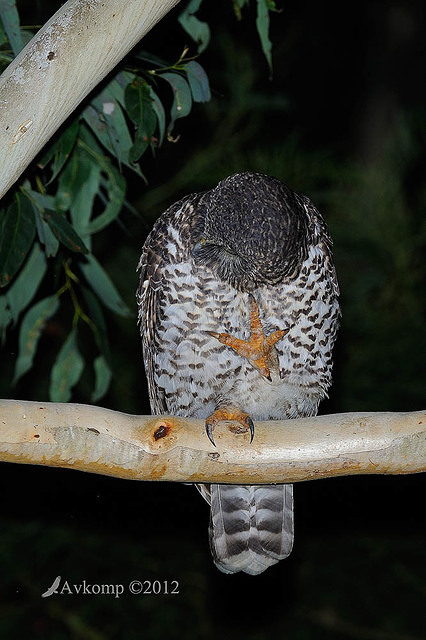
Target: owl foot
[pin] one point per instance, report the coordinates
(229, 414)
(259, 349)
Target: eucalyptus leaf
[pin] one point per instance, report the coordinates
(84, 195)
(46, 206)
(3, 37)
(67, 370)
(139, 146)
(31, 329)
(116, 130)
(10, 19)
(198, 81)
(40, 200)
(182, 100)
(17, 231)
(25, 285)
(78, 185)
(105, 118)
(238, 5)
(140, 110)
(113, 182)
(64, 231)
(103, 375)
(97, 123)
(61, 149)
(45, 234)
(115, 186)
(137, 96)
(5, 316)
(96, 315)
(262, 24)
(151, 58)
(118, 84)
(198, 30)
(102, 284)
(158, 109)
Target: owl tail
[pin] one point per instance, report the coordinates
(251, 527)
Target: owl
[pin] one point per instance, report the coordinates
(238, 311)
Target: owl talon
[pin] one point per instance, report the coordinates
(209, 431)
(250, 423)
(234, 415)
(259, 349)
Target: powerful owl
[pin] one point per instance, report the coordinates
(238, 309)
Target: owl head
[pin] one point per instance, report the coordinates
(251, 231)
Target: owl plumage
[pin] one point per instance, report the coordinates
(211, 263)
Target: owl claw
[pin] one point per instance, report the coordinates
(250, 423)
(259, 349)
(231, 415)
(209, 431)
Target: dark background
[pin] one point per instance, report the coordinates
(343, 121)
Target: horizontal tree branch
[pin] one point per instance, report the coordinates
(64, 61)
(99, 440)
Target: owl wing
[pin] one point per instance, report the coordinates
(150, 298)
(314, 318)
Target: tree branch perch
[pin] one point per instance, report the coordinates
(64, 61)
(99, 440)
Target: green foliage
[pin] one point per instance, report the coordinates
(139, 104)
(17, 229)
(103, 286)
(67, 369)
(198, 81)
(182, 98)
(76, 190)
(264, 7)
(31, 329)
(103, 375)
(262, 23)
(25, 285)
(198, 30)
(10, 18)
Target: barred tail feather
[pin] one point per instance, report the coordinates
(251, 527)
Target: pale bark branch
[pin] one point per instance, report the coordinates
(64, 61)
(108, 442)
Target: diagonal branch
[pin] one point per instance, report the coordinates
(64, 61)
(108, 442)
